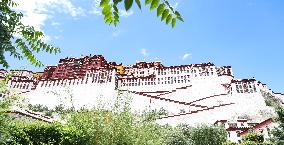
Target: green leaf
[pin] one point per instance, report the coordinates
(116, 16)
(41, 45)
(179, 16)
(38, 50)
(116, 1)
(128, 4)
(108, 21)
(115, 8)
(165, 14)
(181, 19)
(44, 46)
(106, 9)
(154, 4)
(104, 3)
(160, 10)
(174, 20)
(167, 3)
(148, 1)
(18, 40)
(138, 3)
(169, 18)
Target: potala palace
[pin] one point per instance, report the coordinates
(193, 94)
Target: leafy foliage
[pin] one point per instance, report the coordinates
(105, 127)
(43, 133)
(154, 114)
(229, 143)
(278, 133)
(208, 135)
(28, 42)
(59, 109)
(164, 9)
(179, 135)
(99, 126)
(271, 100)
(253, 138)
(6, 101)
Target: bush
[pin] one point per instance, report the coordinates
(38, 133)
(208, 135)
(229, 143)
(176, 137)
(17, 136)
(253, 137)
(267, 143)
(250, 143)
(278, 132)
(105, 127)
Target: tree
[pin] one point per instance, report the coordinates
(6, 101)
(180, 135)
(253, 138)
(23, 42)
(20, 40)
(278, 132)
(208, 135)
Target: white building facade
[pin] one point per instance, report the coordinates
(193, 94)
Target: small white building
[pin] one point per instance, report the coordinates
(242, 127)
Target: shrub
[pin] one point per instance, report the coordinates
(229, 143)
(105, 127)
(176, 137)
(253, 137)
(17, 136)
(208, 135)
(267, 143)
(38, 133)
(278, 132)
(250, 143)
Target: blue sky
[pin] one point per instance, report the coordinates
(246, 34)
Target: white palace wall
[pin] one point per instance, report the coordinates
(77, 92)
(190, 94)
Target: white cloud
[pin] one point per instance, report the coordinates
(36, 12)
(96, 10)
(186, 56)
(124, 13)
(144, 52)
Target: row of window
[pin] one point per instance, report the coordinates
(154, 83)
(201, 71)
(21, 86)
(193, 71)
(246, 87)
(94, 80)
(159, 79)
